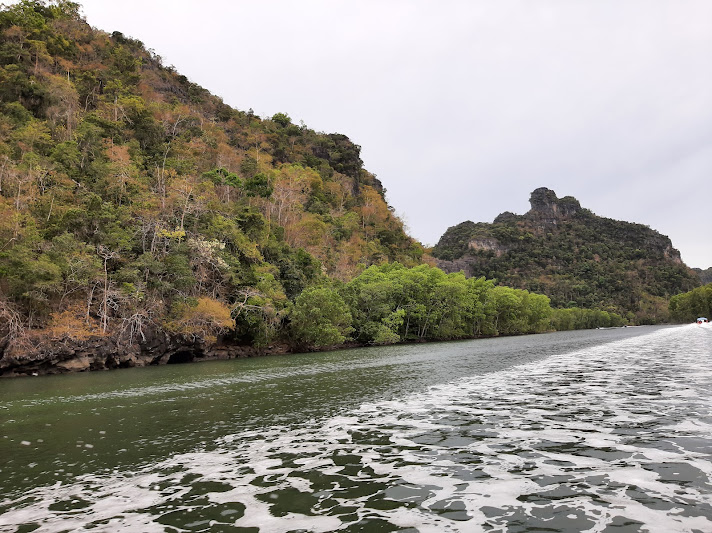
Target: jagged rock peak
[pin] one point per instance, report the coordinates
(544, 202)
(507, 216)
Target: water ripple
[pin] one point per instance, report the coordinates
(614, 437)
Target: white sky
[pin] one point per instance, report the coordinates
(462, 108)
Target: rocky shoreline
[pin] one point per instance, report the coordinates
(61, 356)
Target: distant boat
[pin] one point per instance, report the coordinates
(702, 321)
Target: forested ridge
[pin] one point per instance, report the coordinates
(576, 258)
(144, 221)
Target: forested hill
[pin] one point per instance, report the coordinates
(130, 196)
(573, 256)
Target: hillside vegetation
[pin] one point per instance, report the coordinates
(132, 198)
(574, 257)
(687, 307)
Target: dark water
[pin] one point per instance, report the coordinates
(601, 431)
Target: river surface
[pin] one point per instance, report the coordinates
(600, 431)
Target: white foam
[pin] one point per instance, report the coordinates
(584, 423)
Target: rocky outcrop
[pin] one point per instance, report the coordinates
(545, 206)
(673, 254)
(506, 217)
(490, 245)
(59, 356)
(466, 265)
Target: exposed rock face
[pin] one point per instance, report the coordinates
(507, 216)
(103, 353)
(491, 245)
(543, 200)
(547, 206)
(673, 254)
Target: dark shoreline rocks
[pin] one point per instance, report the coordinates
(61, 356)
(66, 356)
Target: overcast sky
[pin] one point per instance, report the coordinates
(462, 108)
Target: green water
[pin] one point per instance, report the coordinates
(328, 441)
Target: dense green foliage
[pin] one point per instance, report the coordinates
(576, 318)
(689, 306)
(130, 195)
(573, 256)
(391, 303)
(320, 317)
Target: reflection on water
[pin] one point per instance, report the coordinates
(586, 431)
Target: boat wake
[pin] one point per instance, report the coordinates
(615, 437)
